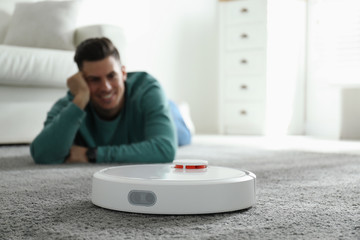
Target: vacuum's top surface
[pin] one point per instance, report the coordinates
(179, 171)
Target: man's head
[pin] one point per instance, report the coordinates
(99, 62)
(94, 49)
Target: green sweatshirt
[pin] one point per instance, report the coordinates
(142, 133)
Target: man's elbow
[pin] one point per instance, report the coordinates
(34, 154)
(38, 157)
(168, 151)
(169, 157)
(41, 157)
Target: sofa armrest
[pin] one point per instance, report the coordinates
(114, 33)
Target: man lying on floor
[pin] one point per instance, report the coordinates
(110, 115)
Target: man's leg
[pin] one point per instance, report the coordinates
(183, 133)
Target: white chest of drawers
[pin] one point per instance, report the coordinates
(242, 73)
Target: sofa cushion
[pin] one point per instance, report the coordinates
(6, 10)
(22, 66)
(45, 24)
(4, 21)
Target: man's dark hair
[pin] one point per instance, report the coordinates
(94, 49)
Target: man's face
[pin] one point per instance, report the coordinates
(106, 81)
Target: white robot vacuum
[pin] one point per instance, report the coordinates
(184, 187)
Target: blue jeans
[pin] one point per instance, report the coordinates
(183, 133)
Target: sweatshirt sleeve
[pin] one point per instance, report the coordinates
(53, 143)
(159, 144)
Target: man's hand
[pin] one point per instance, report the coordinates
(77, 155)
(79, 88)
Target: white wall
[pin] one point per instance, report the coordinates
(175, 41)
(333, 69)
(286, 67)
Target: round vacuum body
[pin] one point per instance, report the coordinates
(184, 187)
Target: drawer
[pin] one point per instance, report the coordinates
(245, 62)
(245, 36)
(245, 88)
(245, 11)
(248, 118)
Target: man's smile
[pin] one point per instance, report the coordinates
(107, 96)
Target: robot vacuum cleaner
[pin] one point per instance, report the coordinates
(183, 187)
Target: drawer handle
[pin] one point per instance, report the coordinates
(244, 36)
(243, 112)
(244, 10)
(243, 87)
(243, 61)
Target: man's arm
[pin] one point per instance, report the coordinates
(53, 143)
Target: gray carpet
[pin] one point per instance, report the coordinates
(300, 195)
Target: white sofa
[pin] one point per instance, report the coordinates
(32, 78)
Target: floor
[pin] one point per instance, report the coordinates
(301, 143)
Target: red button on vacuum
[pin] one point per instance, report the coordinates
(191, 166)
